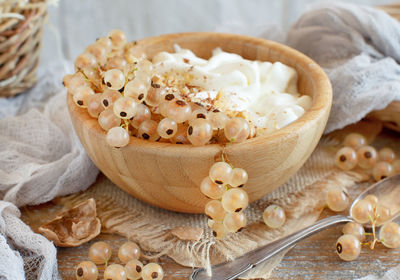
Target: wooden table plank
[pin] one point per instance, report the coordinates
(313, 258)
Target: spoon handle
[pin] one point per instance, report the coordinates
(233, 269)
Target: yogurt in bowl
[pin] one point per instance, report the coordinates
(263, 93)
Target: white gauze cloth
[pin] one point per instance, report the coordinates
(359, 49)
(40, 158)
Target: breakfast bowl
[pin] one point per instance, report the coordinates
(168, 175)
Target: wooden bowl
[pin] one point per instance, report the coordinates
(168, 175)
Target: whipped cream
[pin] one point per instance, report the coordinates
(264, 93)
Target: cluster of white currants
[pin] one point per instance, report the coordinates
(356, 152)
(367, 210)
(129, 254)
(129, 99)
(224, 185)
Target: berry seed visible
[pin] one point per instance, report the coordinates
(180, 102)
(201, 116)
(339, 248)
(79, 272)
(108, 84)
(169, 131)
(342, 158)
(190, 130)
(145, 136)
(80, 102)
(367, 154)
(169, 97)
(154, 275)
(105, 102)
(138, 268)
(122, 114)
(140, 97)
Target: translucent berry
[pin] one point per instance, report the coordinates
(144, 66)
(235, 222)
(371, 198)
(180, 136)
(167, 128)
(235, 200)
(382, 170)
(116, 62)
(77, 80)
(355, 141)
(134, 269)
(128, 251)
(94, 105)
(155, 95)
(136, 89)
(214, 210)
(362, 211)
(118, 39)
(382, 213)
(366, 157)
(217, 119)
(105, 42)
(125, 108)
(239, 177)
(152, 271)
(274, 216)
(237, 129)
(66, 79)
(219, 230)
(386, 154)
(346, 158)
(199, 132)
(107, 119)
(389, 235)
(108, 97)
(198, 114)
(220, 173)
(396, 166)
(142, 113)
(348, 247)
(81, 96)
(148, 130)
(337, 200)
(211, 189)
(117, 137)
(114, 79)
(355, 229)
(115, 272)
(86, 271)
(92, 74)
(99, 52)
(178, 110)
(100, 252)
(85, 60)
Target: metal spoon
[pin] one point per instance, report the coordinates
(387, 191)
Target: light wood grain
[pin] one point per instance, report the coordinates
(313, 258)
(168, 175)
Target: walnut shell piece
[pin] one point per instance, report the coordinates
(74, 226)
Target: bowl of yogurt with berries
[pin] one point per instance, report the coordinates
(155, 114)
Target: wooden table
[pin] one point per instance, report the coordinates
(313, 258)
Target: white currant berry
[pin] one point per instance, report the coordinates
(117, 137)
(348, 247)
(274, 216)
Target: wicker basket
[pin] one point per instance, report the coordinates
(390, 116)
(20, 41)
